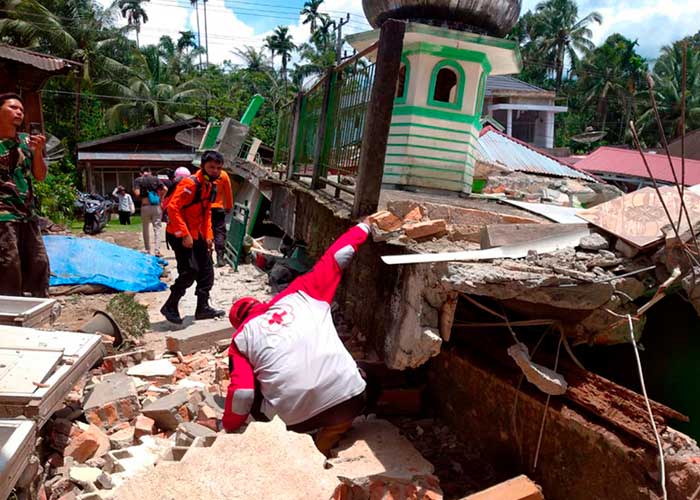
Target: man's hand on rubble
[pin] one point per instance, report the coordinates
(187, 241)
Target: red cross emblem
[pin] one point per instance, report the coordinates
(277, 318)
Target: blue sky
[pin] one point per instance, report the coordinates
(235, 23)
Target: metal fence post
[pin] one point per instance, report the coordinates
(316, 182)
(378, 121)
(293, 135)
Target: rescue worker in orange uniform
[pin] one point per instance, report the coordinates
(220, 208)
(189, 233)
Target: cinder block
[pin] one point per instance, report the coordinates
(197, 338)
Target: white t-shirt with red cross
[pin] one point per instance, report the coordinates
(292, 345)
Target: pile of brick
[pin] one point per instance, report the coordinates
(413, 226)
(129, 414)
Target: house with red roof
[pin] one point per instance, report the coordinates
(626, 168)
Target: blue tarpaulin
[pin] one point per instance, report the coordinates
(83, 261)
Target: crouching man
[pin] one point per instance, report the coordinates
(287, 360)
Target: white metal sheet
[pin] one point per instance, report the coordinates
(519, 251)
(73, 344)
(562, 215)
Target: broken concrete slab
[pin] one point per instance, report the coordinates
(113, 400)
(197, 338)
(424, 230)
(122, 438)
(498, 235)
(241, 466)
(187, 432)
(166, 410)
(143, 426)
(519, 488)
(161, 369)
(594, 242)
(84, 476)
(546, 380)
(375, 446)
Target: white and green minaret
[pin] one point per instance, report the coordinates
(438, 103)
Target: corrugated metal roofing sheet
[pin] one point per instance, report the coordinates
(89, 155)
(628, 162)
(40, 61)
(496, 147)
(506, 83)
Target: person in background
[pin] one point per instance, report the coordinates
(287, 360)
(219, 210)
(190, 235)
(150, 189)
(24, 264)
(179, 174)
(126, 206)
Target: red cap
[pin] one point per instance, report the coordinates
(241, 309)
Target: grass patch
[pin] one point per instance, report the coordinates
(131, 316)
(113, 225)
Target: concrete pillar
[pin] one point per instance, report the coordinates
(509, 123)
(549, 129)
(381, 107)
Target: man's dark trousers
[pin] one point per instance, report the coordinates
(193, 264)
(218, 225)
(24, 264)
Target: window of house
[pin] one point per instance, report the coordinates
(447, 85)
(402, 81)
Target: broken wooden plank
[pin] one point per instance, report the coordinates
(519, 251)
(498, 235)
(518, 488)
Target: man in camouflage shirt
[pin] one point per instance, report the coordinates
(24, 264)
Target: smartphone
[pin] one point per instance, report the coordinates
(35, 128)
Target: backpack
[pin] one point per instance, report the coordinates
(197, 193)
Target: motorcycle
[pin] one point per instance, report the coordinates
(96, 210)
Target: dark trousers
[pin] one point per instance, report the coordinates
(24, 264)
(218, 224)
(193, 264)
(124, 218)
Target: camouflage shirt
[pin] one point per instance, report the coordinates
(16, 197)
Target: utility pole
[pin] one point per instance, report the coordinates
(206, 32)
(339, 37)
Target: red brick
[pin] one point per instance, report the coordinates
(143, 426)
(81, 446)
(386, 221)
(184, 413)
(93, 417)
(414, 215)
(519, 488)
(111, 414)
(420, 230)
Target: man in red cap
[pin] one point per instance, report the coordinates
(287, 360)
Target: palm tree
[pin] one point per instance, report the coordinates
(206, 33)
(148, 97)
(27, 23)
(134, 13)
(668, 77)
(195, 4)
(270, 45)
(563, 34)
(612, 70)
(186, 42)
(310, 11)
(281, 42)
(253, 59)
(322, 36)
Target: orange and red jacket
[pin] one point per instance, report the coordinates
(224, 193)
(193, 220)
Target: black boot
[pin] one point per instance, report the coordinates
(220, 261)
(205, 311)
(170, 310)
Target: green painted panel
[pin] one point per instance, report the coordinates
(448, 53)
(438, 114)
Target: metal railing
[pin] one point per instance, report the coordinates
(319, 134)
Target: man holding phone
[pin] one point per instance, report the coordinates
(24, 264)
